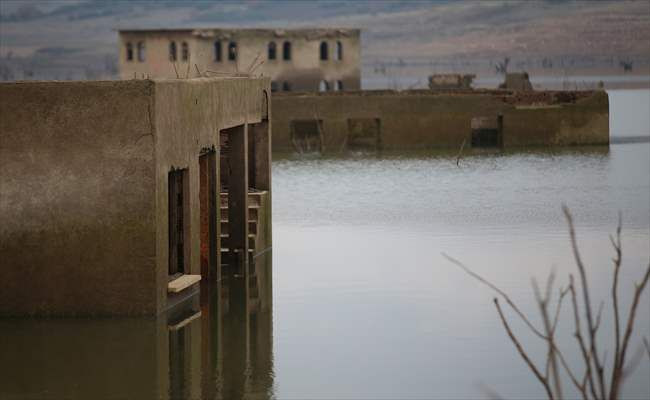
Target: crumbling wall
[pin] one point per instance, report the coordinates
(425, 119)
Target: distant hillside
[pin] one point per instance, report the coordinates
(76, 39)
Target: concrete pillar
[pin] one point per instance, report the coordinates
(238, 196)
(260, 152)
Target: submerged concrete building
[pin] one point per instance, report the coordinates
(116, 198)
(418, 119)
(294, 59)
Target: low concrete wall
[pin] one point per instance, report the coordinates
(423, 119)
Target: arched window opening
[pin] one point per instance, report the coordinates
(217, 51)
(323, 51)
(274, 86)
(323, 86)
(286, 86)
(286, 51)
(338, 85)
(185, 51)
(141, 51)
(272, 51)
(129, 51)
(172, 51)
(339, 51)
(232, 51)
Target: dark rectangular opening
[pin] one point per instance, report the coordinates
(364, 134)
(307, 135)
(177, 209)
(487, 131)
(208, 213)
(485, 138)
(234, 194)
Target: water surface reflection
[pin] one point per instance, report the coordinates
(217, 346)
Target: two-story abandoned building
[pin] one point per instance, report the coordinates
(294, 59)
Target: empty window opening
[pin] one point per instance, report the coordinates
(172, 51)
(141, 51)
(364, 134)
(217, 51)
(339, 51)
(487, 131)
(324, 51)
(208, 213)
(274, 86)
(185, 51)
(338, 85)
(307, 135)
(177, 209)
(272, 51)
(323, 86)
(286, 51)
(232, 51)
(286, 86)
(129, 51)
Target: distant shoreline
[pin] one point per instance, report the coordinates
(629, 139)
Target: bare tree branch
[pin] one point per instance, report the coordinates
(628, 333)
(522, 353)
(587, 301)
(499, 291)
(617, 320)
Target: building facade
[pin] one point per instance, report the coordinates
(294, 59)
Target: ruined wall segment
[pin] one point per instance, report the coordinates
(442, 119)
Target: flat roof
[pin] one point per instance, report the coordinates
(279, 32)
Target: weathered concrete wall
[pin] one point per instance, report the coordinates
(77, 222)
(302, 72)
(188, 117)
(421, 119)
(84, 187)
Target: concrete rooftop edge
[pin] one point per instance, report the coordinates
(117, 82)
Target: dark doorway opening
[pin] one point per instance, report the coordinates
(487, 131)
(208, 213)
(364, 134)
(307, 135)
(177, 209)
(234, 196)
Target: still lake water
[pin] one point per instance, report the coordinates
(363, 303)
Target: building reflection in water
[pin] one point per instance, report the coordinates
(217, 345)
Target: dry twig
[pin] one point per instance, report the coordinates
(593, 383)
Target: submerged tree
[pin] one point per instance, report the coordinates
(596, 381)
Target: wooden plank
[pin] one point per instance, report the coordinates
(182, 283)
